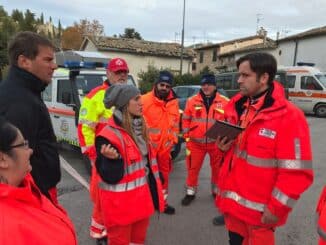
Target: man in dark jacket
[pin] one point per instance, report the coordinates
(31, 59)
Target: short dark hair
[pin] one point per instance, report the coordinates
(26, 43)
(261, 63)
(8, 135)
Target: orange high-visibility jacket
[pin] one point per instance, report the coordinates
(162, 119)
(321, 214)
(271, 166)
(196, 121)
(130, 199)
(92, 118)
(28, 217)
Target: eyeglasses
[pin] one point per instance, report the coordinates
(25, 144)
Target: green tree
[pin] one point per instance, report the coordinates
(186, 79)
(28, 23)
(205, 70)
(42, 19)
(7, 29)
(147, 78)
(131, 33)
(17, 15)
(59, 29)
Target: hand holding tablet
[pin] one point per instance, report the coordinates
(223, 129)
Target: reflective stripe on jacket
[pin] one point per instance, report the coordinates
(272, 164)
(130, 199)
(92, 118)
(162, 119)
(195, 119)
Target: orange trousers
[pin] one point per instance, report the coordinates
(253, 235)
(195, 159)
(134, 233)
(97, 229)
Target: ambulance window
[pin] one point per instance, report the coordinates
(63, 87)
(290, 80)
(86, 82)
(322, 79)
(309, 83)
(47, 93)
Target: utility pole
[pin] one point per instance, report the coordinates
(182, 35)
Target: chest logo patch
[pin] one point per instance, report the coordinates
(219, 105)
(267, 133)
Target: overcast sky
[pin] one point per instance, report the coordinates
(205, 20)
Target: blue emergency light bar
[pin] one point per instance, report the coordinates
(84, 64)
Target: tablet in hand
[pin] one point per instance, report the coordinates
(223, 129)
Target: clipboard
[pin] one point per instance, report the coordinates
(223, 129)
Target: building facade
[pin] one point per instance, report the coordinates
(307, 47)
(139, 54)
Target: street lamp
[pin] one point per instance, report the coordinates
(182, 35)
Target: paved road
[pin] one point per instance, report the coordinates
(192, 225)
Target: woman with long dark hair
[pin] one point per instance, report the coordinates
(130, 189)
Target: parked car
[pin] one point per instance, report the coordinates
(229, 81)
(186, 91)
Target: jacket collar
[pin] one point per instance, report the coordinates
(25, 79)
(274, 101)
(212, 97)
(26, 192)
(171, 96)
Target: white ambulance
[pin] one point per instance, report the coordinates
(64, 96)
(307, 89)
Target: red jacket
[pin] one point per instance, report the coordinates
(321, 214)
(195, 119)
(130, 199)
(27, 217)
(271, 166)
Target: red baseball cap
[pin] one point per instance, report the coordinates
(117, 64)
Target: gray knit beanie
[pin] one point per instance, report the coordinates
(118, 95)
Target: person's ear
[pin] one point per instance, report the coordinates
(3, 160)
(264, 78)
(24, 62)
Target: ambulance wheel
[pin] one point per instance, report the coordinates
(321, 110)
